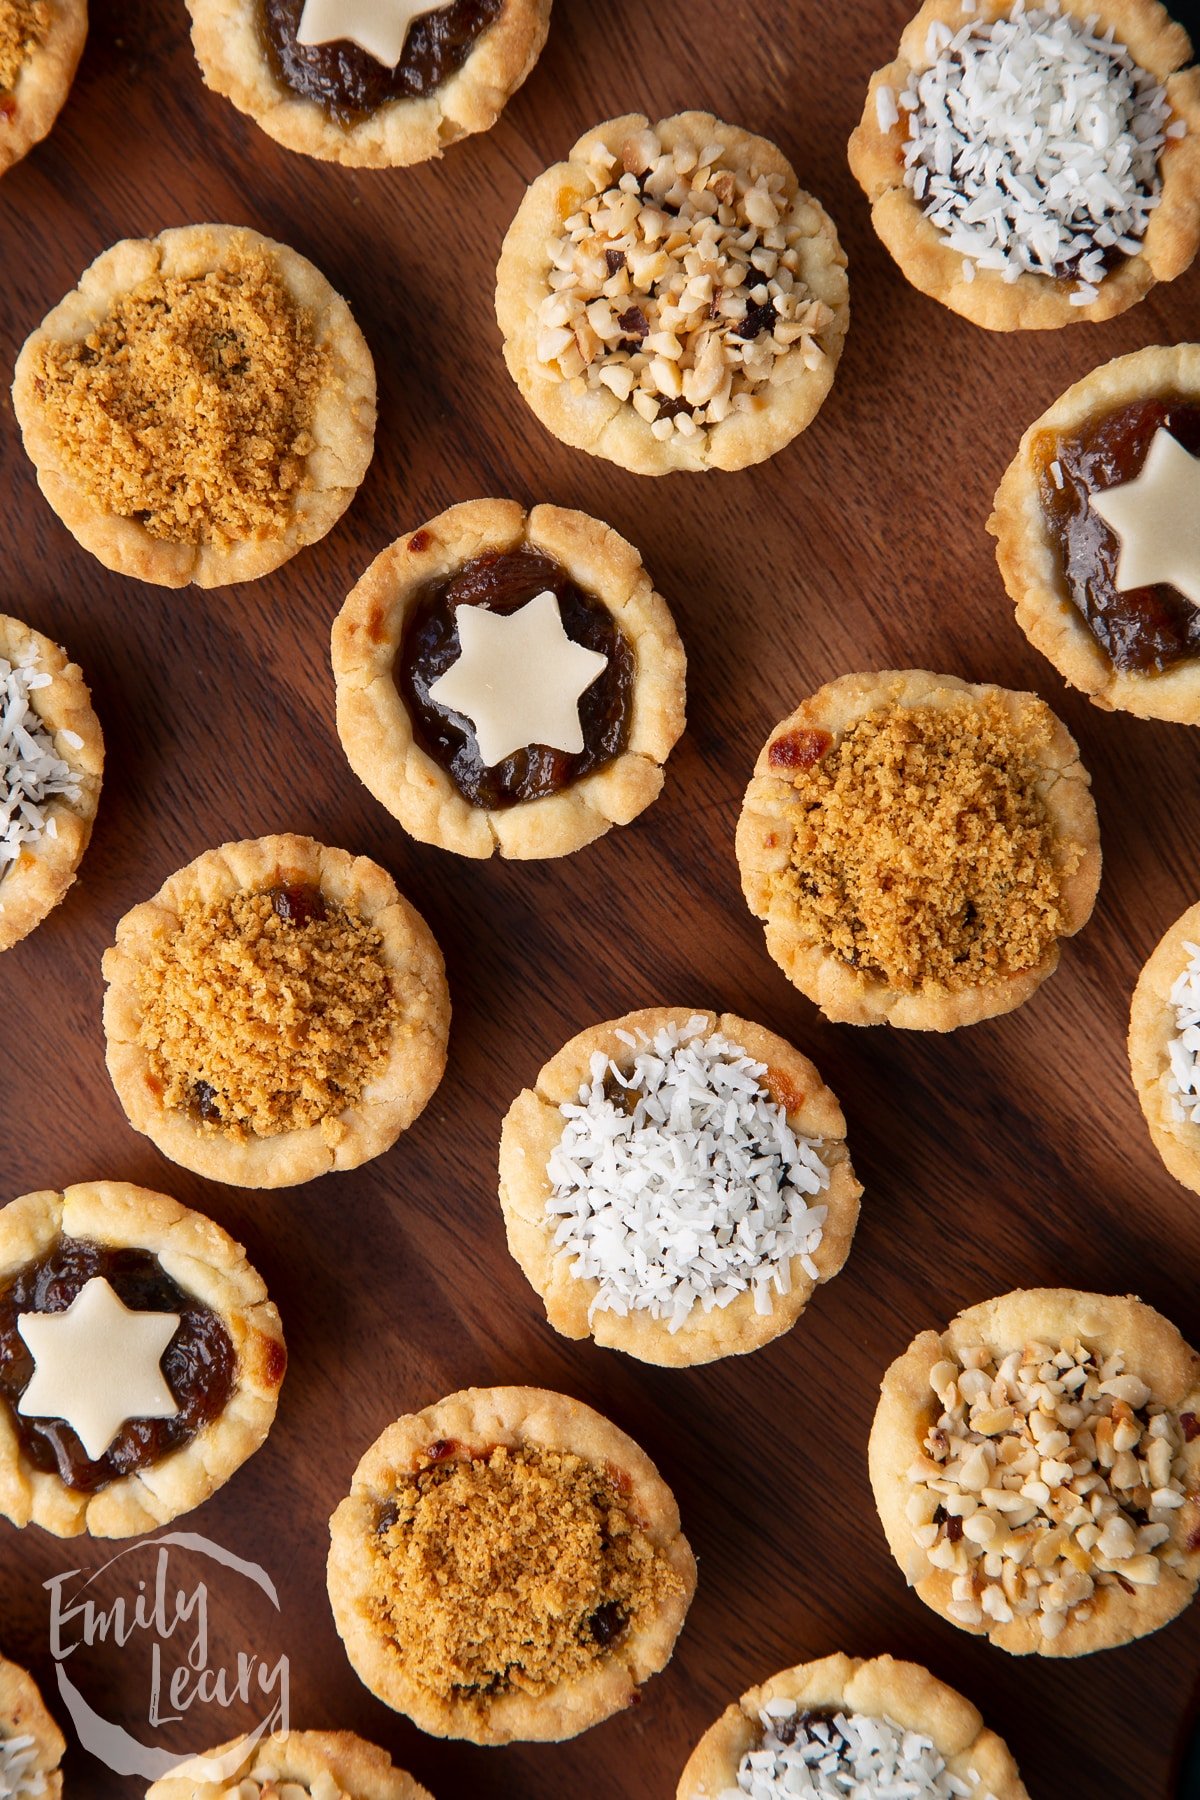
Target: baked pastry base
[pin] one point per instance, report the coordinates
(907, 1409)
(766, 833)
(1036, 302)
(234, 62)
(393, 1098)
(532, 1127)
(43, 872)
(376, 728)
(43, 83)
(23, 1714)
(206, 1262)
(343, 426)
(362, 1771)
(480, 1419)
(596, 421)
(1151, 1028)
(902, 1691)
(1031, 563)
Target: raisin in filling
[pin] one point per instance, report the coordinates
(504, 582)
(199, 1364)
(1142, 630)
(348, 82)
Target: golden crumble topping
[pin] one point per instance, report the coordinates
(24, 25)
(517, 1569)
(923, 853)
(267, 1013)
(190, 407)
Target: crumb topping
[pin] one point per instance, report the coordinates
(923, 852)
(517, 1569)
(263, 1014)
(189, 408)
(24, 26)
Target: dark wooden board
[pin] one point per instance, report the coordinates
(1009, 1154)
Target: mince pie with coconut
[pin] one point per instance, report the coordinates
(140, 1359)
(31, 1745)
(1031, 165)
(291, 1765)
(201, 407)
(670, 298)
(278, 1010)
(41, 42)
(509, 681)
(508, 1565)
(676, 1185)
(916, 848)
(51, 763)
(1164, 1047)
(1097, 527)
(1037, 1470)
(842, 1727)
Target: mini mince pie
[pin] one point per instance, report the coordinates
(41, 42)
(1164, 1047)
(844, 1727)
(508, 1565)
(917, 847)
(676, 1185)
(1097, 522)
(31, 1745)
(1037, 1470)
(670, 298)
(1031, 165)
(199, 408)
(51, 762)
(509, 681)
(291, 1765)
(278, 1010)
(140, 1359)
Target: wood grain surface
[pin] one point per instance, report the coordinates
(1005, 1155)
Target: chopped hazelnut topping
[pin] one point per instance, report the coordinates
(24, 25)
(272, 1787)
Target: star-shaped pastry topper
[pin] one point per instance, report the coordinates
(1157, 518)
(519, 678)
(377, 26)
(96, 1366)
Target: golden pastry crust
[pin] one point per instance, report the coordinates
(1038, 302)
(342, 428)
(479, 1420)
(767, 829)
(1151, 1029)
(376, 727)
(1153, 1350)
(29, 110)
(206, 1262)
(234, 62)
(878, 1687)
(597, 421)
(1031, 562)
(44, 870)
(397, 1090)
(359, 1770)
(532, 1127)
(23, 1714)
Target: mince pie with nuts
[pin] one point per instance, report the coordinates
(31, 1745)
(508, 1565)
(1037, 1470)
(278, 1010)
(291, 1765)
(670, 298)
(140, 1359)
(41, 42)
(508, 681)
(916, 848)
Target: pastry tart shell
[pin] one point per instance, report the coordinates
(29, 111)
(357, 1768)
(1151, 1029)
(23, 1714)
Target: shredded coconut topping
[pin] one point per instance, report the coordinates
(30, 773)
(1049, 1476)
(1183, 1076)
(1034, 143)
(677, 285)
(853, 1756)
(18, 1777)
(681, 1181)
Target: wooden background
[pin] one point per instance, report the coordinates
(1009, 1154)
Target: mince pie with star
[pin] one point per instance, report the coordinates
(31, 1745)
(41, 42)
(291, 1765)
(1097, 527)
(509, 681)
(140, 1359)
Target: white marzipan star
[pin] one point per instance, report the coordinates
(96, 1366)
(1157, 518)
(519, 678)
(377, 26)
